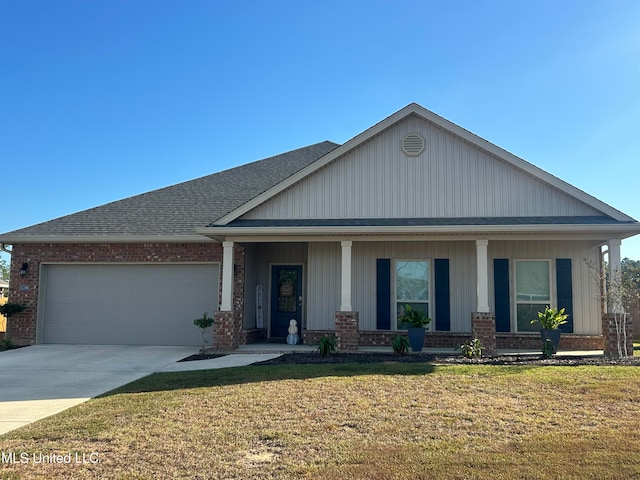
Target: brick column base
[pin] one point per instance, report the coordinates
(610, 336)
(347, 331)
(483, 326)
(227, 331)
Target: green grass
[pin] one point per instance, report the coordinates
(336, 421)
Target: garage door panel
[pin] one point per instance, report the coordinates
(127, 304)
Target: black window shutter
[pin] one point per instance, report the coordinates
(443, 299)
(564, 290)
(501, 294)
(383, 294)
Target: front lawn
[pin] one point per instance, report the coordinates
(337, 421)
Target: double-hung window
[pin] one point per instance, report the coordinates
(412, 287)
(533, 292)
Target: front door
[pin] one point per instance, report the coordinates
(286, 298)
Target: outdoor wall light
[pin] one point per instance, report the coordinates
(23, 269)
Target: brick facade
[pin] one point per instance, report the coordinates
(228, 332)
(453, 340)
(484, 329)
(347, 331)
(531, 341)
(384, 338)
(610, 335)
(21, 328)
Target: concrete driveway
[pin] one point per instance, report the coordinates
(42, 380)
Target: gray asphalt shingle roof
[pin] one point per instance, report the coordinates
(179, 209)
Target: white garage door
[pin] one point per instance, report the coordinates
(120, 304)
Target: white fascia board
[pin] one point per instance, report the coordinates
(17, 239)
(565, 231)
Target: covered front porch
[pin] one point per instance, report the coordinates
(340, 290)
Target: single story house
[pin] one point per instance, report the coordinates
(414, 210)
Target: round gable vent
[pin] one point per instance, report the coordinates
(413, 144)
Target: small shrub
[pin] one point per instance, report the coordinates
(5, 344)
(400, 345)
(547, 349)
(326, 346)
(472, 348)
(203, 323)
(9, 309)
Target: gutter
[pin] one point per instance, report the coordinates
(195, 238)
(624, 230)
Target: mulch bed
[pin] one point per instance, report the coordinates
(315, 358)
(206, 356)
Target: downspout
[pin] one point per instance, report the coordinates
(3, 247)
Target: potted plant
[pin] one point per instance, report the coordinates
(417, 321)
(550, 321)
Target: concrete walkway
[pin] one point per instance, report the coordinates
(42, 380)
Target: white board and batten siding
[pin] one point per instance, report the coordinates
(323, 293)
(450, 178)
(324, 290)
(586, 301)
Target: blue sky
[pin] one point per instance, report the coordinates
(100, 100)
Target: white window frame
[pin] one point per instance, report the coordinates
(516, 302)
(429, 301)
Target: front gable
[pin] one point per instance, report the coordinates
(452, 177)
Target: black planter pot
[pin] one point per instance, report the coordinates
(553, 336)
(416, 338)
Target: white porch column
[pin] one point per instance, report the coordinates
(482, 281)
(226, 302)
(615, 266)
(345, 286)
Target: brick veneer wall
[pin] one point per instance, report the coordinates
(484, 329)
(312, 337)
(444, 340)
(347, 331)
(253, 335)
(610, 336)
(21, 328)
(228, 332)
(432, 339)
(568, 341)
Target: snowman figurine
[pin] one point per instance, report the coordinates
(292, 338)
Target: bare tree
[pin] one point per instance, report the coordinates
(619, 294)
